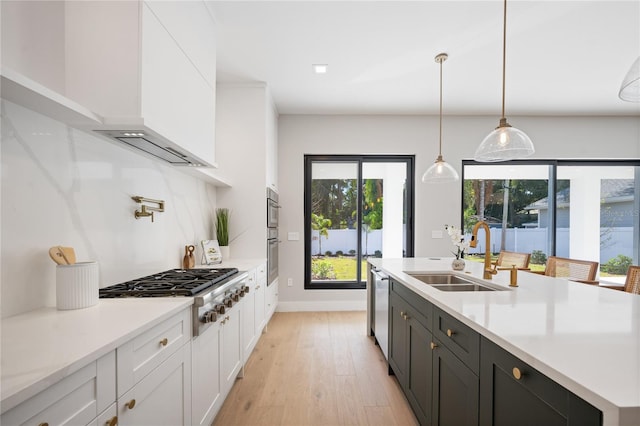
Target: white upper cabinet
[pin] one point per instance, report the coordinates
(117, 65)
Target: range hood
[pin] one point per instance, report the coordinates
(152, 144)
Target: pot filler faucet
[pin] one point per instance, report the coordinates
(488, 270)
(146, 210)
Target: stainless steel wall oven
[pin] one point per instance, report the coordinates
(272, 235)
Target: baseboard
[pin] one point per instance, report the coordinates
(322, 305)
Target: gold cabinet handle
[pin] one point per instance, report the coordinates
(164, 342)
(433, 345)
(113, 421)
(517, 374)
(401, 314)
(130, 404)
(450, 332)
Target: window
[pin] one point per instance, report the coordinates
(585, 210)
(355, 207)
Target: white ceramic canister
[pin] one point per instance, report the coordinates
(77, 285)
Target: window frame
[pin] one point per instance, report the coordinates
(309, 159)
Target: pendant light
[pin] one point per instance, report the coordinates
(505, 142)
(630, 88)
(440, 171)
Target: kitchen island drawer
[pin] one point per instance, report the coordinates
(140, 355)
(422, 307)
(77, 399)
(459, 338)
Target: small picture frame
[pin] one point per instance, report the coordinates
(211, 252)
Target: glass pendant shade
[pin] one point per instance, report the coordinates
(630, 88)
(503, 144)
(440, 172)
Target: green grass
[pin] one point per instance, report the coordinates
(344, 267)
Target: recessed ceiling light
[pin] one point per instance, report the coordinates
(320, 68)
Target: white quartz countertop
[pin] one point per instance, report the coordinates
(584, 337)
(43, 346)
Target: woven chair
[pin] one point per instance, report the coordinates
(583, 271)
(632, 284)
(509, 258)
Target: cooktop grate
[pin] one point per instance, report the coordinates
(174, 282)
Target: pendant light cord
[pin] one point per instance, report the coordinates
(504, 56)
(440, 148)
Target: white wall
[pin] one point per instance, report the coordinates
(61, 186)
(436, 205)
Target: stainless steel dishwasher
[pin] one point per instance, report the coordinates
(381, 309)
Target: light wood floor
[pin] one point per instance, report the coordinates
(316, 368)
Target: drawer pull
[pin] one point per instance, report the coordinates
(44, 424)
(517, 374)
(433, 345)
(164, 342)
(130, 404)
(450, 332)
(113, 421)
(401, 314)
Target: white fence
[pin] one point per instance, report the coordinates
(615, 241)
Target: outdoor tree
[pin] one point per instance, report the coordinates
(322, 225)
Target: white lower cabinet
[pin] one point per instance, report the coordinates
(163, 397)
(231, 360)
(248, 317)
(272, 299)
(206, 384)
(260, 294)
(217, 361)
(78, 399)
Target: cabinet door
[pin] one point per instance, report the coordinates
(207, 398)
(398, 338)
(418, 387)
(513, 392)
(455, 390)
(247, 317)
(272, 298)
(161, 398)
(231, 349)
(259, 289)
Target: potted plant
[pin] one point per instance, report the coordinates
(222, 231)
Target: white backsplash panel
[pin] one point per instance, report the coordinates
(63, 186)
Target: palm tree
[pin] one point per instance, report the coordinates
(320, 224)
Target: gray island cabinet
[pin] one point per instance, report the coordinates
(459, 357)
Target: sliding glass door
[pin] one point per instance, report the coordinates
(355, 207)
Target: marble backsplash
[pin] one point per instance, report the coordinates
(63, 186)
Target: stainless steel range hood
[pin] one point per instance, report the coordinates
(152, 144)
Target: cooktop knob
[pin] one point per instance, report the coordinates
(228, 302)
(245, 288)
(241, 292)
(219, 309)
(210, 316)
(235, 297)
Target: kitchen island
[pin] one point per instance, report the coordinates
(582, 337)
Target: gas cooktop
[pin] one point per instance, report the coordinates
(174, 282)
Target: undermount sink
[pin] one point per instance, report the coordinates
(450, 282)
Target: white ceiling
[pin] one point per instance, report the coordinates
(563, 57)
